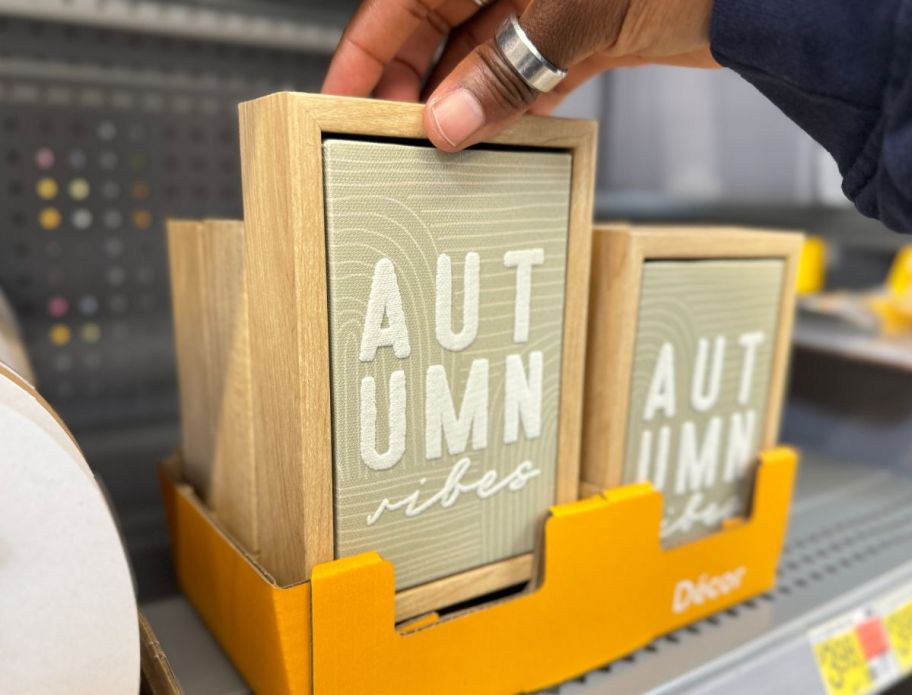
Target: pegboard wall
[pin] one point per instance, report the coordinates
(104, 134)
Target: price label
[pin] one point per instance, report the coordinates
(899, 630)
(897, 618)
(853, 653)
(842, 665)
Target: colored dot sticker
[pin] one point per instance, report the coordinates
(110, 189)
(118, 303)
(107, 130)
(107, 160)
(91, 332)
(112, 218)
(113, 247)
(140, 190)
(77, 159)
(60, 334)
(49, 218)
(142, 219)
(44, 158)
(88, 305)
(79, 189)
(81, 218)
(58, 306)
(116, 275)
(46, 188)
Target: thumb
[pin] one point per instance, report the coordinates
(484, 94)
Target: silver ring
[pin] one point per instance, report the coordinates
(518, 50)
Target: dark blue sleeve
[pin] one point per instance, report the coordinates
(842, 70)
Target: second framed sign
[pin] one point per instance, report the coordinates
(689, 336)
(417, 325)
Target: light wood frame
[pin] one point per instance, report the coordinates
(282, 170)
(618, 255)
(208, 292)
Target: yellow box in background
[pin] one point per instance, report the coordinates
(812, 266)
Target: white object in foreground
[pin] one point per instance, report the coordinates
(69, 617)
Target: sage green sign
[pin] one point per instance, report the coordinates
(446, 297)
(706, 332)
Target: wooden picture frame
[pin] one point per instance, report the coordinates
(286, 266)
(209, 302)
(620, 254)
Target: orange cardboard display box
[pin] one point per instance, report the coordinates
(607, 588)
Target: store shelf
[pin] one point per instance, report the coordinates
(840, 224)
(198, 662)
(294, 26)
(821, 335)
(850, 543)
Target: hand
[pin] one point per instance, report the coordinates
(388, 49)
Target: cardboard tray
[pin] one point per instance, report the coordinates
(607, 589)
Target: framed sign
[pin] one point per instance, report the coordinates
(689, 337)
(417, 334)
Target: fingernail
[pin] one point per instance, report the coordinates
(458, 115)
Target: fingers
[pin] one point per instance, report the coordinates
(404, 75)
(480, 97)
(371, 40)
(466, 38)
(483, 93)
(566, 32)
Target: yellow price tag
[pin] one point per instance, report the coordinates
(898, 624)
(843, 665)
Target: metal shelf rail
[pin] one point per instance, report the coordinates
(270, 24)
(849, 546)
(819, 335)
